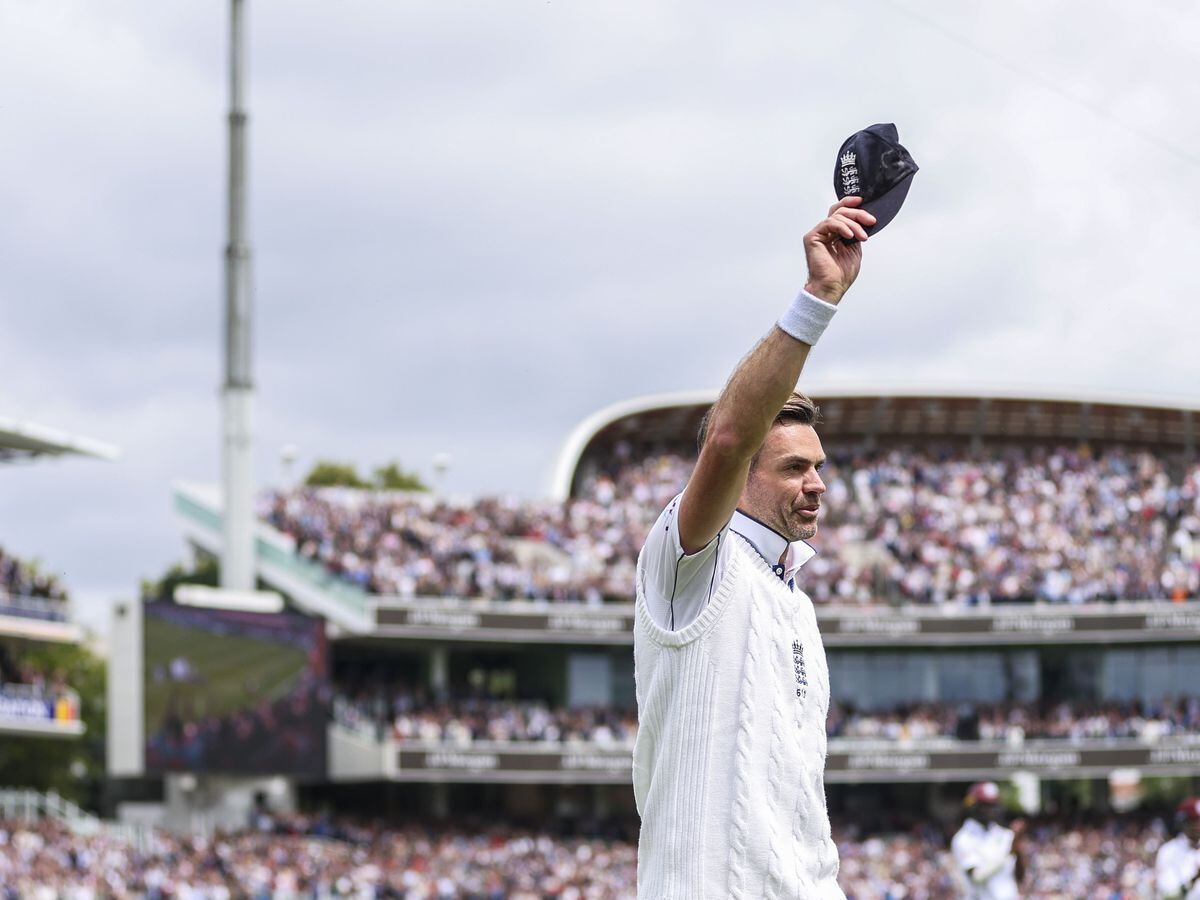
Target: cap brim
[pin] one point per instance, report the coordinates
(884, 208)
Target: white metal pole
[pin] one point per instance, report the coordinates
(237, 562)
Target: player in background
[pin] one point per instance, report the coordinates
(1177, 866)
(989, 856)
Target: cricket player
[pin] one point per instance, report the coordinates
(1177, 866)
(988, 855)
(732, 681)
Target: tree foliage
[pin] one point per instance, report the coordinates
(327, 473)
(393, 478)
(389, 477)
(206, 571)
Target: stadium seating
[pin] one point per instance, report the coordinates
(294, 856)
(26, 592)
(905, 525)
(30, 695)
(468, 720)
(408, 717)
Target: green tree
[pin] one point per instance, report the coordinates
(74, 767)
(393, 478)
(327, 473)
(207, 571)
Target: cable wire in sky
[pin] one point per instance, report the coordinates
(1042, 82)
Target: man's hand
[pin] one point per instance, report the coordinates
(832, 263)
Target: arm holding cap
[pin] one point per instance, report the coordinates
(764, 380)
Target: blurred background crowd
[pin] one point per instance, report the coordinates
(1109, 858)
(23, 583)
(415, 716)
(903, 525)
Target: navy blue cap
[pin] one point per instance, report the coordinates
(873, 165)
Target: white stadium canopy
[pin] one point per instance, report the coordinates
(901, 411)
(23, 440)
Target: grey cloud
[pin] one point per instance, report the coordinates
(474, 227)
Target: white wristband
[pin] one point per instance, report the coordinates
(806, 318)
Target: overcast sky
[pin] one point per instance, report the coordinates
(476, 223)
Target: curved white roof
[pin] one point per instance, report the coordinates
(583, 433)
(25, 440)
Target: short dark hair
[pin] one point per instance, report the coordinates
(798, 410)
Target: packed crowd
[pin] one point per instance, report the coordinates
(25, 590)
(312, 858)
(1106, 860)
(1053, 525)
(464, 721)
(17, 669)
(1111, 859)
(407, 716)
(904, 525)
(1015, 723)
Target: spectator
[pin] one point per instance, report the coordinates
(1059, 525)
(409, 715)
(25, 591)
(299, 856)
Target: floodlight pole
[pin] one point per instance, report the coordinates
(237, 395)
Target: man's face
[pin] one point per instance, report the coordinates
(988, 813)
(1191, 827)
(785, 487)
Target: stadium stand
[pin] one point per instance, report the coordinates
(24, 591)
(25, 441)
(905, 525)
(298, 856)
(1004, 592)
(464, 721)
(33, 701)
(413, 716)
(34, 605)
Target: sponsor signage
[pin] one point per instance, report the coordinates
(1127, 623)
(25, 707)
(564, 623)
(845, 763)
(576, 764)
(19, 702)
(550, 624)
(880, 763)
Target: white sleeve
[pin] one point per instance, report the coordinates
(678, 585)
(980, 858)
(1172, 873)
(963, 849)
(993, 854)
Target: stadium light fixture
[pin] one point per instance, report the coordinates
(237, 394)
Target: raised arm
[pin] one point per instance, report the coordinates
(765, 378)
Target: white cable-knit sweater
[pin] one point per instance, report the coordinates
(728, 769)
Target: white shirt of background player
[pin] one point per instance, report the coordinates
(1177, 868)
(678, 585)
(984, 856)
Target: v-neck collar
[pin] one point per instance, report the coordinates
(785, 558)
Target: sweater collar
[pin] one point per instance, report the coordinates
(784, 558)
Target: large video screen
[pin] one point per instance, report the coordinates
(234, 692)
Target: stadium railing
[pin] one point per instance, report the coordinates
(29, 806)
(360, 753)
(278, 562)
(44, 608)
